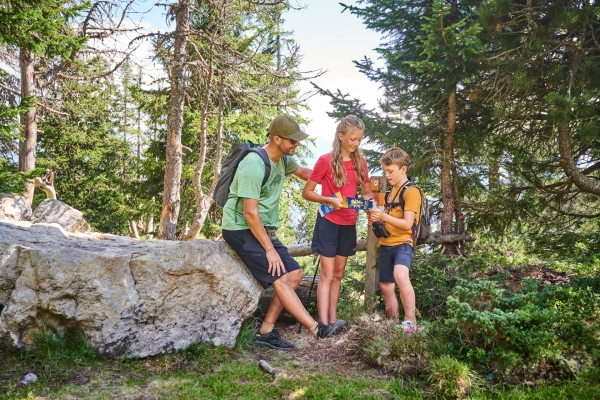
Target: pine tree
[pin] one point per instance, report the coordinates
(432, 51)
(39, 27)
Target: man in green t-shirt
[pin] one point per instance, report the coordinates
(250, 219)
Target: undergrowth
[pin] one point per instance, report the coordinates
(485, 336)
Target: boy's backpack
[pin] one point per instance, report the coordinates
(420, 231)
(235, 155)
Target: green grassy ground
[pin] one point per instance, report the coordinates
(368, 361)
(68, 369)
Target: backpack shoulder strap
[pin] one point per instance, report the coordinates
(399, 196)
(265, 157)
(406, 186)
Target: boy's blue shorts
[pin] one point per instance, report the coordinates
(390, 256)
(330, 240)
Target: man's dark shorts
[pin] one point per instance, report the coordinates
(389, 256)
(255, 257)
(330, 240)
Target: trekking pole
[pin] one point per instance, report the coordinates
(311, 288)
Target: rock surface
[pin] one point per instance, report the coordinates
(13, 207)
(129, 297)
(55, 211)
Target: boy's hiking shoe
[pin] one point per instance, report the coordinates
(407, 327)
(273, 340)
(327, 331)
(341, 324)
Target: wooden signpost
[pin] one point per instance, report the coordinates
(378, 186)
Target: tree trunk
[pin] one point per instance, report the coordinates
(446, 173)
(28, 140)
(446, 166)
(205, 200)
(171, 194)
(458, 215)
(583, 182)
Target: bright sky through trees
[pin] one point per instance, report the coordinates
(329, 41)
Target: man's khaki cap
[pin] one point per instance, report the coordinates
(286, 127)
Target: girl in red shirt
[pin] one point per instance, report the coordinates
(334, 237)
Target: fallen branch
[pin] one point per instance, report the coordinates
(438, 237)
(264, 365)
(276, 373)
(303, 249)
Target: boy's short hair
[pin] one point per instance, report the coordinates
(395, 156)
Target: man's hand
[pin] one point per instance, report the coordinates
(275, 263)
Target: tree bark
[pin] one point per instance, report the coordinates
(171, 194)
(583, 182)
(458, 215)
(28, 140)
(446, 165)
(204, 200)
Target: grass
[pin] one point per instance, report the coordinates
(389, 365)
(68, 369)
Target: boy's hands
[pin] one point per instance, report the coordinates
(376, 214)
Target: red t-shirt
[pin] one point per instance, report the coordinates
(322, 174)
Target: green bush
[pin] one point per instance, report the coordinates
(538, 323)
(434, 276)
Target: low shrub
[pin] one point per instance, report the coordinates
(523, 330)
(434, 276)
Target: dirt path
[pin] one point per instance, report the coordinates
(342, 355)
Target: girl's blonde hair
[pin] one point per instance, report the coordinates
(337, 161)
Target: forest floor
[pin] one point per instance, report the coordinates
(336, 368)
(324, 363)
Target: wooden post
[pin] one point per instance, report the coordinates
(378, 186)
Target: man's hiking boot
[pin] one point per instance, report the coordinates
(273, 340)
(327, 331)
(407, 327)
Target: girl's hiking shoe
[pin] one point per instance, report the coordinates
(407, 327)
(273, 340)
(327, 331)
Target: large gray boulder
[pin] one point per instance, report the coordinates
(129, 297)
(52, 211)
(13, 207)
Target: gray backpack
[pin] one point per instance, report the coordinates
(422, 230)
(237, 154)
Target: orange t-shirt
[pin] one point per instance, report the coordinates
(412, 202)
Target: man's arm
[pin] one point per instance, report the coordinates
(257, 228)
(303, 173)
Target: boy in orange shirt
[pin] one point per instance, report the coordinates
(395, 252)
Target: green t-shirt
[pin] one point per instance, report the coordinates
(247, 183)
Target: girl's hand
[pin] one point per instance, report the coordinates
(336, 203)
(376, 214)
